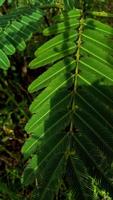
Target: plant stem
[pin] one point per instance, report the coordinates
(100, 14)
(77, 56)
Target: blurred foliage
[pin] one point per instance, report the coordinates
(14, 103)
(14, 113)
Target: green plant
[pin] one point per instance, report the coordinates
(16, 28)
(1, 2)
(71, 127)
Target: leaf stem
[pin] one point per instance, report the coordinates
(100, 14)
(77, 57)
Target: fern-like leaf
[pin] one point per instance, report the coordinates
(17, 28)
(72, 115)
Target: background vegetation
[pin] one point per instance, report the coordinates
(14, 113)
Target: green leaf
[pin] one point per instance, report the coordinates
(71, 124)
(81, 181)
(62, 81)
(30, 172)
(7, 47)
(30, 147)
(58, 68)
(53, 55)
(61, 27)
(100, 68)
(18, 27)
(1, 2)
(4, 62)
(55, 42)
(96, 25)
